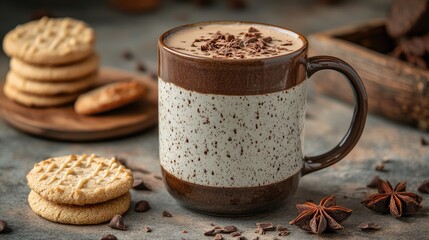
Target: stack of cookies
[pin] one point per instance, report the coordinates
(53, 62)
(79, 189)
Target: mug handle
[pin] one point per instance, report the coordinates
(315, 64)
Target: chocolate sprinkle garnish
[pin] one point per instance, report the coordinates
(424, 187)
(369, 226)
(117, 222)
(139, 184)
(166, 214)
(374, 182)
(108, 237)
(142, 206)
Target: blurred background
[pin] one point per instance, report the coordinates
(135, 25)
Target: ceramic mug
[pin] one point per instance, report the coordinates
(231, 132)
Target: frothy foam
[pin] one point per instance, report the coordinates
(234, 40)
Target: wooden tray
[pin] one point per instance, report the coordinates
(62, 123)
(396, 89)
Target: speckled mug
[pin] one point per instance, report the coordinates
(231, 132)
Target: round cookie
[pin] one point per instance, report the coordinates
(79, 215)
(48, 88)
(36, 101)
(50, 41)
(109, 97)
(61, 73)
(80, 179)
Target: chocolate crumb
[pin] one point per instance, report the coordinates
(212, 224)
(147, 229)
(281, 228)
(210, 233)
(424, 141)
(165, 213)
(374, 182)
(184, 231)
(229, 229)
(142, 206)
(127, 54)
(108, 237)
(4, 228)
(424, 187)
(380, 167)
(267, 39)
(284, 233)
(266, 226)
(140, 67)
(117, 222)
(139, 184)
(217, 237)
(235, 234)
(369, 226)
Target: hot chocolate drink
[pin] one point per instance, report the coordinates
(239, 40)
(232, 100)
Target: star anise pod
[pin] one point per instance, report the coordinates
(322, 217)
(395, 201)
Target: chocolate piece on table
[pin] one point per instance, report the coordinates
(127, 55)
(380, 167)
(108, 237)
(217, 237)
(281, 228)
(139, 184)
(235, 234)
(369, 226)
(117, 222)
(424, 187)
(165, 213)
(284, 233)
(408, 18)
(142, 206)
(266, 226)
(4, 228)
(374, 182)
(424, 141)
(147, 229)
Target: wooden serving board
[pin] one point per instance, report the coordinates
(63, 123)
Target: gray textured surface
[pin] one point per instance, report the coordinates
(328, 123)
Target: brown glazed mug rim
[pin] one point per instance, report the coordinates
(227, 60)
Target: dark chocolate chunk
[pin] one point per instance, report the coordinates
(266, 226)
(424, 187)
(424, 141)
(281, 228)
(108, 237)
(142, 206)
(4, 228)
(165, 213)
(284, 233)
(380, 167)
(210, 232)
(184, 231)
(369, 226)
(139, 184)
(267, 39)
(127, 55)
(229, 229)
(374, 182)
(117, 222)
(140, 67)
(235, 234)
(217, 237)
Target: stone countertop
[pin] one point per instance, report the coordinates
(326, 123)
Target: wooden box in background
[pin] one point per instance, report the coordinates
(396, 89)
